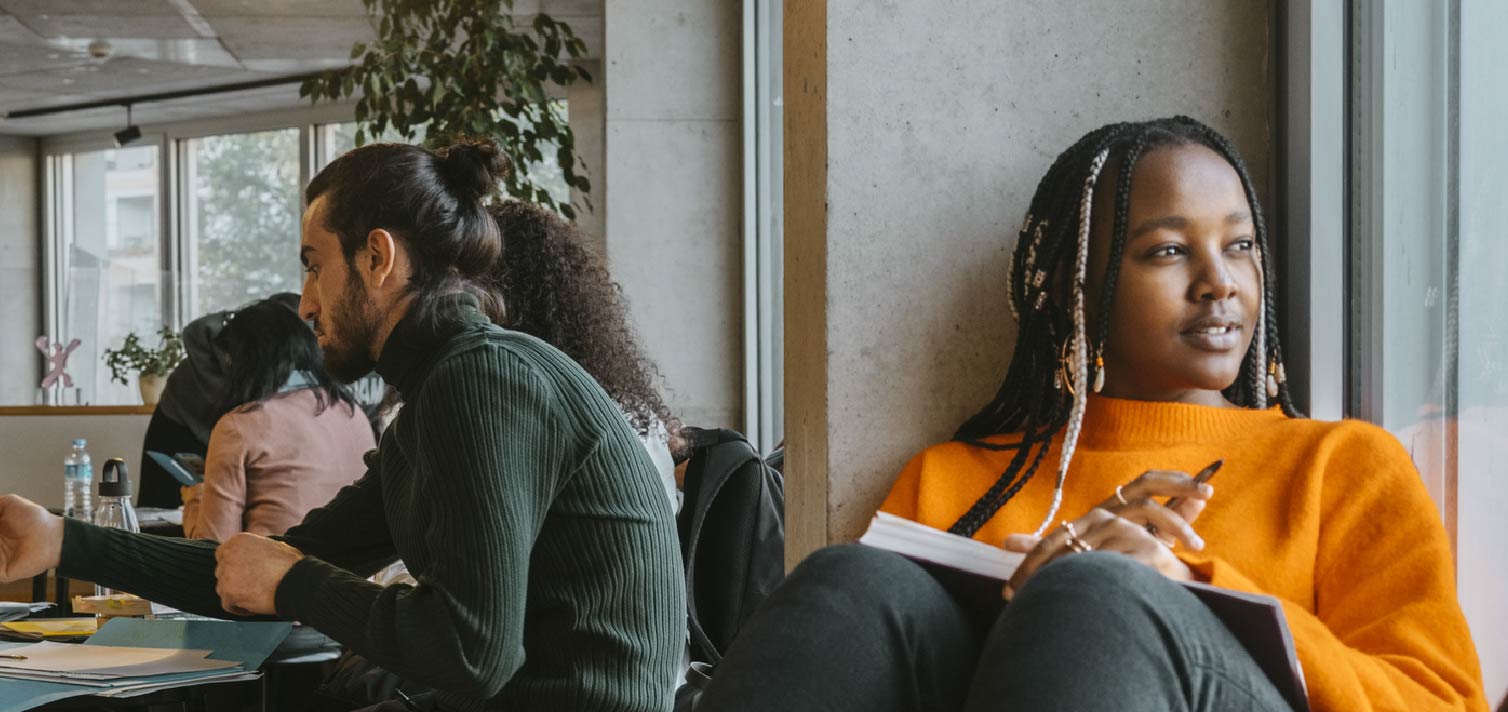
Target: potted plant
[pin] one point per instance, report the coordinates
(152, 366)
(468, 68)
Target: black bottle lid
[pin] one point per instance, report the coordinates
(115, 481)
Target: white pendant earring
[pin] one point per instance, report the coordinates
(1099, 373)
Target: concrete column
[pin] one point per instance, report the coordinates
(20, 271)
(915, 135)
(672, 193)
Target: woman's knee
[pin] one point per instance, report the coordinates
(858, 568)
(865, 579)
(1096, 579)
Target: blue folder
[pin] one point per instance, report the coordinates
(246, 643)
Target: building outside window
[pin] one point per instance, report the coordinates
(107, 261)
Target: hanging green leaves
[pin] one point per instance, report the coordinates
(465, 68)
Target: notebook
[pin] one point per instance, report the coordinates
(974, 573)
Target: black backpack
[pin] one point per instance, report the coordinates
(732, 529)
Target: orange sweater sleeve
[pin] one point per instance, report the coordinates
(1387, 632)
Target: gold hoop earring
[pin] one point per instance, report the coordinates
(1063, 379)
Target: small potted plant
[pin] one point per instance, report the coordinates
(152, 366)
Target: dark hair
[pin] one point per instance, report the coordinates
(432, 201)
(1047, 265)
(556, 288)
(265, 343)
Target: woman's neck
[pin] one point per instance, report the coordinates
(1189, 396)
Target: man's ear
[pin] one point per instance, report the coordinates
(382, 251)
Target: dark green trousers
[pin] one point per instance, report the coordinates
(859, 629)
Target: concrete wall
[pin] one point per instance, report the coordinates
(671, 190)
(932, 124)
(32, 448)
(20, 271)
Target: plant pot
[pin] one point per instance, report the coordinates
(151, 388)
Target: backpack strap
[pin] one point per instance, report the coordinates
(717, 455)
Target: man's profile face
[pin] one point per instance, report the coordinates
(336, 299)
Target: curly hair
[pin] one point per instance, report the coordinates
(557, 288)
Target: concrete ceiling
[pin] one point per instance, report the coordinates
(170, 45)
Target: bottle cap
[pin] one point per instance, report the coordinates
(80, 442)
(116, 479)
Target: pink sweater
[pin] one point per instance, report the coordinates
(268, 467)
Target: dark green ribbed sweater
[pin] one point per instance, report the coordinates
(513, 487)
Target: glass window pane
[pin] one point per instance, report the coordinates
(1482, 349)
(241, 230)
(111, 263)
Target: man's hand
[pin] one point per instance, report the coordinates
(248, 572)
(31, 539)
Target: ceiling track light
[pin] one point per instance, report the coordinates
(128, 134)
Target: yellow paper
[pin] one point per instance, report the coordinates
(54, 627)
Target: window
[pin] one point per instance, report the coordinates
(336, 139)
(106, 262)
(241, 218)
(1423, 289)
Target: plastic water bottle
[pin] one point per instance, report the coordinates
(78, 483)
(115, 503)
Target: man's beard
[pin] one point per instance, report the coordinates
(352, 327)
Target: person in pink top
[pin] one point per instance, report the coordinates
(290, 438)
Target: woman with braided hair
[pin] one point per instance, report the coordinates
(1148, 348)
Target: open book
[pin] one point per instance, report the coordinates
(974, 573)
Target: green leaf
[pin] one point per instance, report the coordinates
(358, 49)
(562, 75)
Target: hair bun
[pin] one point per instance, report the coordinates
(473, 167)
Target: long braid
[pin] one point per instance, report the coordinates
(1080, 338)
(1047, 253)
(1022, 402)
(1122, 208)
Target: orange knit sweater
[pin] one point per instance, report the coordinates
(1331, 518)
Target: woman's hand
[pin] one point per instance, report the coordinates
(1119, 524)
(191, 495)
(1133, 500)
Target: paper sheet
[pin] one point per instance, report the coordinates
(103, 662)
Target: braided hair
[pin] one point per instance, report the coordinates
(1045, 390)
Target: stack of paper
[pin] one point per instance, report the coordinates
(131, 657)
(102, 663)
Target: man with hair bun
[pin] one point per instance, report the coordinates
(511, 484)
